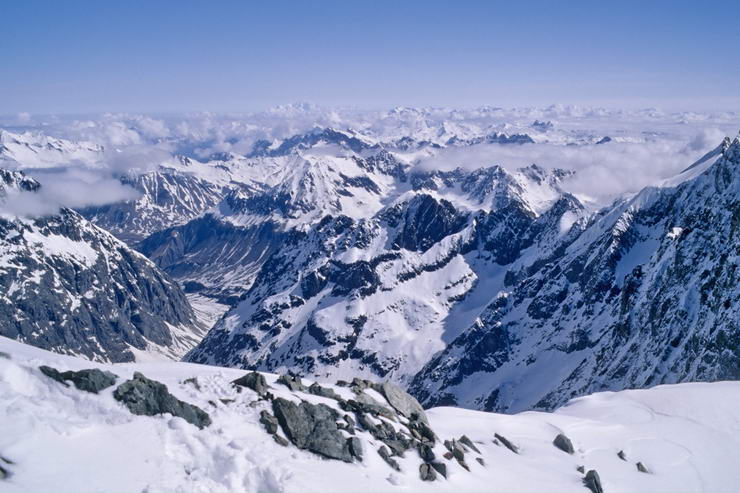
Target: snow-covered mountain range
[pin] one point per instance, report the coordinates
(421, 245)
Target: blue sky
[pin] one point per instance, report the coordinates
(165, 56)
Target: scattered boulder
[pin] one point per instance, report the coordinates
(280, 440)
(293, 382)
(480, 461)
(255, 381)
(581, 469)
(457, 451)
(4, 473)
(317, 389)
(593, 482)
(641, 467)
(426, 472)
(386, 456)
(92, 380)
(505, 441)
(312, 427)
(440, 467)
(4, 355)
(622, 455)
(146, 397)
(563, 443)
(269, 421)
(468, 443)
(403, 402)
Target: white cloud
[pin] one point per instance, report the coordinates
(67, 187)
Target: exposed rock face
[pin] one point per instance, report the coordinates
(93, 380)
(644, 294)
(147, 397)
(68, 286)
(313, 427)
(563, 443)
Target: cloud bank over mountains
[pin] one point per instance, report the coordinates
(643, 147)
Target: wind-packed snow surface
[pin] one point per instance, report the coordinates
(58, 438)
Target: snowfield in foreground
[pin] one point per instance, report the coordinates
(58, 438)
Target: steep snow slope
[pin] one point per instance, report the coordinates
(63, 439)
(647, 293)
(69, 286)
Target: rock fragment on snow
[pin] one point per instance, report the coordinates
(280, 440)
(440, 467)
(425, 452)
(255, 381)
(622, 455)
(468, 443)
(312, 427)
(426, 472)
(593, 482)
(92, 380)
(146, 397)
(641, 467)
(563, 443)
(269, 421)
(507, 443)
(386, 456)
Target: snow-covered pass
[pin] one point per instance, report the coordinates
(163, 427)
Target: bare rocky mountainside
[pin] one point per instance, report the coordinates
(69, 286)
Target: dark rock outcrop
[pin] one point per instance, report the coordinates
(593, 482)
(313, 427)
(563, 443)
(255, 381)
(426, 472)
(507, 443)
(92, 380)
(146, 397)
